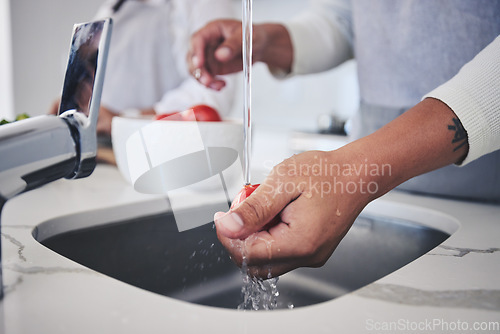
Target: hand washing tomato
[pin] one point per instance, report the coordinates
(200, 113)
(246, 191)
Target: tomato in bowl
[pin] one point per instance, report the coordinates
(200, 113)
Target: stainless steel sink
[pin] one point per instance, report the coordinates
(149, 253)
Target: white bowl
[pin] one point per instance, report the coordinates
(121, 129)
(161, 156)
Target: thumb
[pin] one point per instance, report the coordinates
(229, 50)
(231, 46)
(254, 213)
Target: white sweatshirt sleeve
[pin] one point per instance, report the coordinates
(321, 36)
(474, 95)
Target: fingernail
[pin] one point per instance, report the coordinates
(204, 80)
(230, 221)
(215, 86)
(223, 52)
(196, 61)
(218, 215)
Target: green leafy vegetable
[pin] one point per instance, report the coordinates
(18, 118)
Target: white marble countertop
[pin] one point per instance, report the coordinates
(455, 286)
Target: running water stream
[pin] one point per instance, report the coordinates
(247, 85)
(257, 293)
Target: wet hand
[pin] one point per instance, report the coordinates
(308, 195)
(318, 195)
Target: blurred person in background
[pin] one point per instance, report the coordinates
(146, 71)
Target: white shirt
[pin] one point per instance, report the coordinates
(147, 58)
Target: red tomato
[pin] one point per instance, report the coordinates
(171, 116)
(201, 113)
(244, 193)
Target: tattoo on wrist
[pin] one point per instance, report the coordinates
(460, 138)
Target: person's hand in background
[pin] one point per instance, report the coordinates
(104, 121)
(54, 107)
(216, 49)
(106, 117)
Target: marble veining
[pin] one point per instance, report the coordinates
(483, 299)
(20, 271)
(33, 270)
(16, 243)
(461, 251)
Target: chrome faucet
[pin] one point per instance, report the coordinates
(42, 149)
(39, 150)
